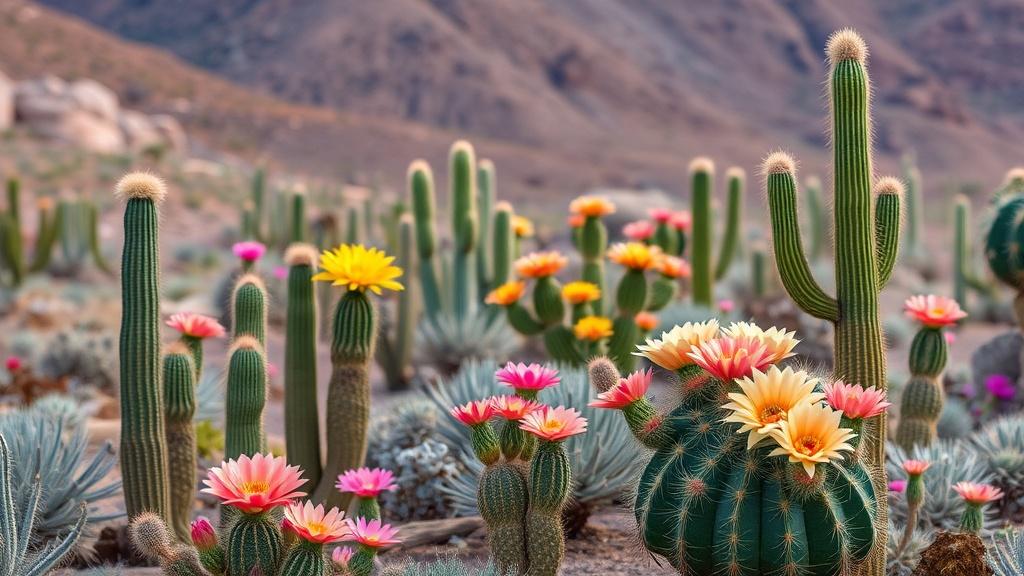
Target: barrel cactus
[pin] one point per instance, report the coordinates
(755, 471)
(1002, 245)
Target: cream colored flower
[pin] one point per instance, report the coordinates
(766, 399)
(670, 352)
(779, 343)
(811, 435)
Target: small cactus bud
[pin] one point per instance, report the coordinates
(150, 536)
(204, 537)
(603, 374)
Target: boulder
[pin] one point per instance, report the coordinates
(82, 114)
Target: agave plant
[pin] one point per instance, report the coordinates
(603, 460)
(1001, 447)
(447, 341)
(901, 562)
(44, 450)
(1006, 553)
(951, 462)
(19, 554)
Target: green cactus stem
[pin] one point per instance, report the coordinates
(300, 223)
(465, 227)
(179, 408)
(348, 394)
(503, 244)
(95, 246)
(866, 233)
(305, 559)
(249, 308)
(1002, 245)
(965, 277)
(143, 443)
(923, 397)
(259, 193)
(421, 190)
(301, 411)
(502, 498)
(593, 242)
(736, 179)
(550, 482)
(254, 542)
(701, 174)
(816, 219)
(46, 238)
(485, 201)
(395, 345)
(246, 398)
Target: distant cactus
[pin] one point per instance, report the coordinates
(301, 409)
(179, 407)
(246, 398)
(249, 308)
(1002, 243)
(965, 277)
(705, 270)
(398, 327)
(143, 442)
(11, 231)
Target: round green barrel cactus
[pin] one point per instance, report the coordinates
(179, 408)
(1003, 245)
(143, 444)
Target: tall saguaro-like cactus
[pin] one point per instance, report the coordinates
(866, 233)
(706, 270)
(301, 413)
(143, 445)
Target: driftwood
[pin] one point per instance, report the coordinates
(436, 531)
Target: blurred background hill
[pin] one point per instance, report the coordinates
(564, 94)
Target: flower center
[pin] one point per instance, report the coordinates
(772, 414)
(937, 311)
(809, 445)
(254, 487)
(316, 528)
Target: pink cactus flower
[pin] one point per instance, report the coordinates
(950, 337)
(512, 407)
(977, 494)
(898, 486)
(474, 413)
(249, 251)
(13, 364)
(255, 485)
(527, 378)
(728, 358)
(280, 272)
(726, 306)
(934, 311)
(366, 483)
(855, 401)
(681, 220)
(628, 390)
(638, 231)
(196, 325)
(661, 215)
(313, 524)
(342, 555)
(915, 467)
(204, 537)
(554, 424)
(372, 534)
(1001, 386)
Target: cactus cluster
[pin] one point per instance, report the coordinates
(755, 471)
(706, 270)
(527, 477)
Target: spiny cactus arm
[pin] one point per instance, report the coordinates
(485, 203)
(503, 244)
(794, 270)
(249, 308)
(246, 398)
(8, 526)
(95, 245)
(734, 216)
(465, 226)
(522, 321)
(421, 189)
(888, 193)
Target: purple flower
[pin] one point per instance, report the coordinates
(897, 485)
(1001, 386)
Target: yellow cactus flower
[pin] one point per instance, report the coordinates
(580, 292)
(593, 328)
(359, 268)
(522, 227)
(765, 400)
(811, 435)
(507, 294)
(634, 255)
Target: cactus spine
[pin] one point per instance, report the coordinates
(301, 413)
(179, 408)
(705, 270)
(143, 443)
(866, 232)
(922, 400)
(246, 398)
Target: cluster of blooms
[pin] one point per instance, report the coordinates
(643, 230)
(255, 485)
(780, 408)
(526, 380)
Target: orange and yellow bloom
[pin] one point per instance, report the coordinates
(313, 524)
(765, 400)
(540, 264)
(581, 292)
(810, 435)
(672, 351)
(554, 424)
(592, 328)
(507, 294)
(359, 268)
(522, 227)
(591, 206)
(634, 255)
(672, 267)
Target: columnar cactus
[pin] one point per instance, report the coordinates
(816, 218)
(397, 336)
(249, 308)
(355, 333)
(914, 210)
(705, 270)
(143, 441)
(965, 277)
(179, 408)
(246, 398)
(465, 227)
(301, 411)
(502, 244)
(866, 233)
(258, 191)
(485, 202)
(923, 397)
(299, 221)
(92, 217)
(424, 208)
(748, 474)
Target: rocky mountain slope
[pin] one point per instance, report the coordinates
(618, 92)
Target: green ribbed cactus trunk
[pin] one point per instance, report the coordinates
(485, 199)
(503, 245)
(246, 398)
(702, 237)
(395, 348)
(92, 217)
(348, 395)
(866, 233)
(49, 227)
(923, 397)
(592, 245)
(254, 543)
(502, 498)
(300, 225)
(550, 483)
(259, 193)
(179, 408)
(249, 309)
(465, 227)
(734, 220)
(143, 442)
(305, 559)
(10, 231)
(965, 277)
(301, 410)
(421, 189)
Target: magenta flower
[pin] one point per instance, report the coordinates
(897, 486)
(204, 537)
(366, 483)
(280, 272)
(661, 215)
(249, 251)
(726, 306)
(1001, 386)
(13, 364)
(527, 378)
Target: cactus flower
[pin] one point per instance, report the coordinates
(554, 424)
(372, 534)
(766, 399)
(280, 272)
(934, 311)
(591, 206)
(342, 555)
(915, 467)
(540, 264)
(779, 343)
(646, 321)
(681, 220)
(255, 484)
(527, 377)
(811, 435)
(855, 401)
(628, 390)
(575, 220)
(473, 413)
(660, 215)
(313, 524)
(897, 486)
(634, 255)
(13, 364)
(580, 292)
(366, 483)
(638, 231)
(592, 328)
(204, 536)
(672, 351)
(512, 407)
(196, 325)
(507, 294)
(1000, 386)
(728, 358)
(522, 227)
(673, 267)
(359, 268)
(249, 251)
(977, 494)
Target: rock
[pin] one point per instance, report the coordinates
(1000, 355)
(171, 132)
(6, 102)
(94, 98)
(438, 531)
(82, 114)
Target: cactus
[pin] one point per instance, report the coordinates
(913, 248)
(17, 527)
(299, 222)
(866, 242)
(1002, 244)
(47, 232)
(258, 190)
(705, 270)
(46, 237)
(816, 219)
(249, 308)
(965, 277)
(246, 398)
(179, 408)
(398, 331)
(465, 227)
(301, 412)
(550, 480)
(95, 248)
(502, 499)
(421, 190)
(143, 442)
(485, 201)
